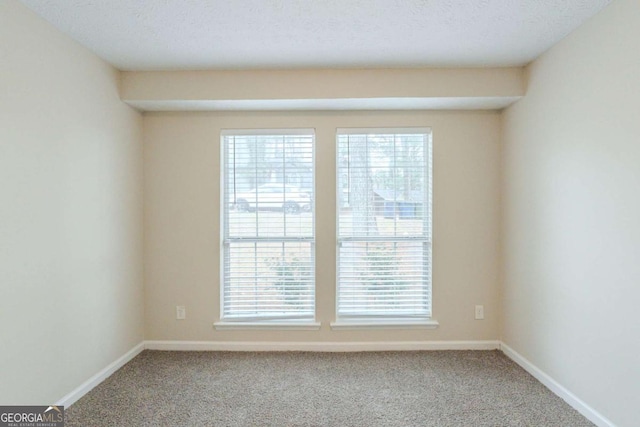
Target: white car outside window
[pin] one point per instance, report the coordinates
(274, 196)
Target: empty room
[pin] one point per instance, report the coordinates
(320, 213)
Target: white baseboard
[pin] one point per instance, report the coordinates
(86, 387)
(573, 400)
(319, 346)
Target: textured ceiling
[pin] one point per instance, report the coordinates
(232, 34)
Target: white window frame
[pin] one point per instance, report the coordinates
(259, 323)
(381, 321)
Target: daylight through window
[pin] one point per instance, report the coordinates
(384, 223)
(268, 225)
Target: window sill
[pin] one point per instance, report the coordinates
(359, 324)
(272, 325)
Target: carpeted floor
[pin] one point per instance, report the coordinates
(389, 389)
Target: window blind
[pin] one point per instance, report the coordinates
(268, 225)
(384, 223)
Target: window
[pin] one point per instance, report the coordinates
(384, 224)
(268, 226)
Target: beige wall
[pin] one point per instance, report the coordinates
(182, 235)
(70, 213)
(571, 193)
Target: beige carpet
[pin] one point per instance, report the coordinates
(390, 389)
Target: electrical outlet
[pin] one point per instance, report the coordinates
(181, 312)
(479, 312)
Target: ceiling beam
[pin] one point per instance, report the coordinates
(413, 88)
